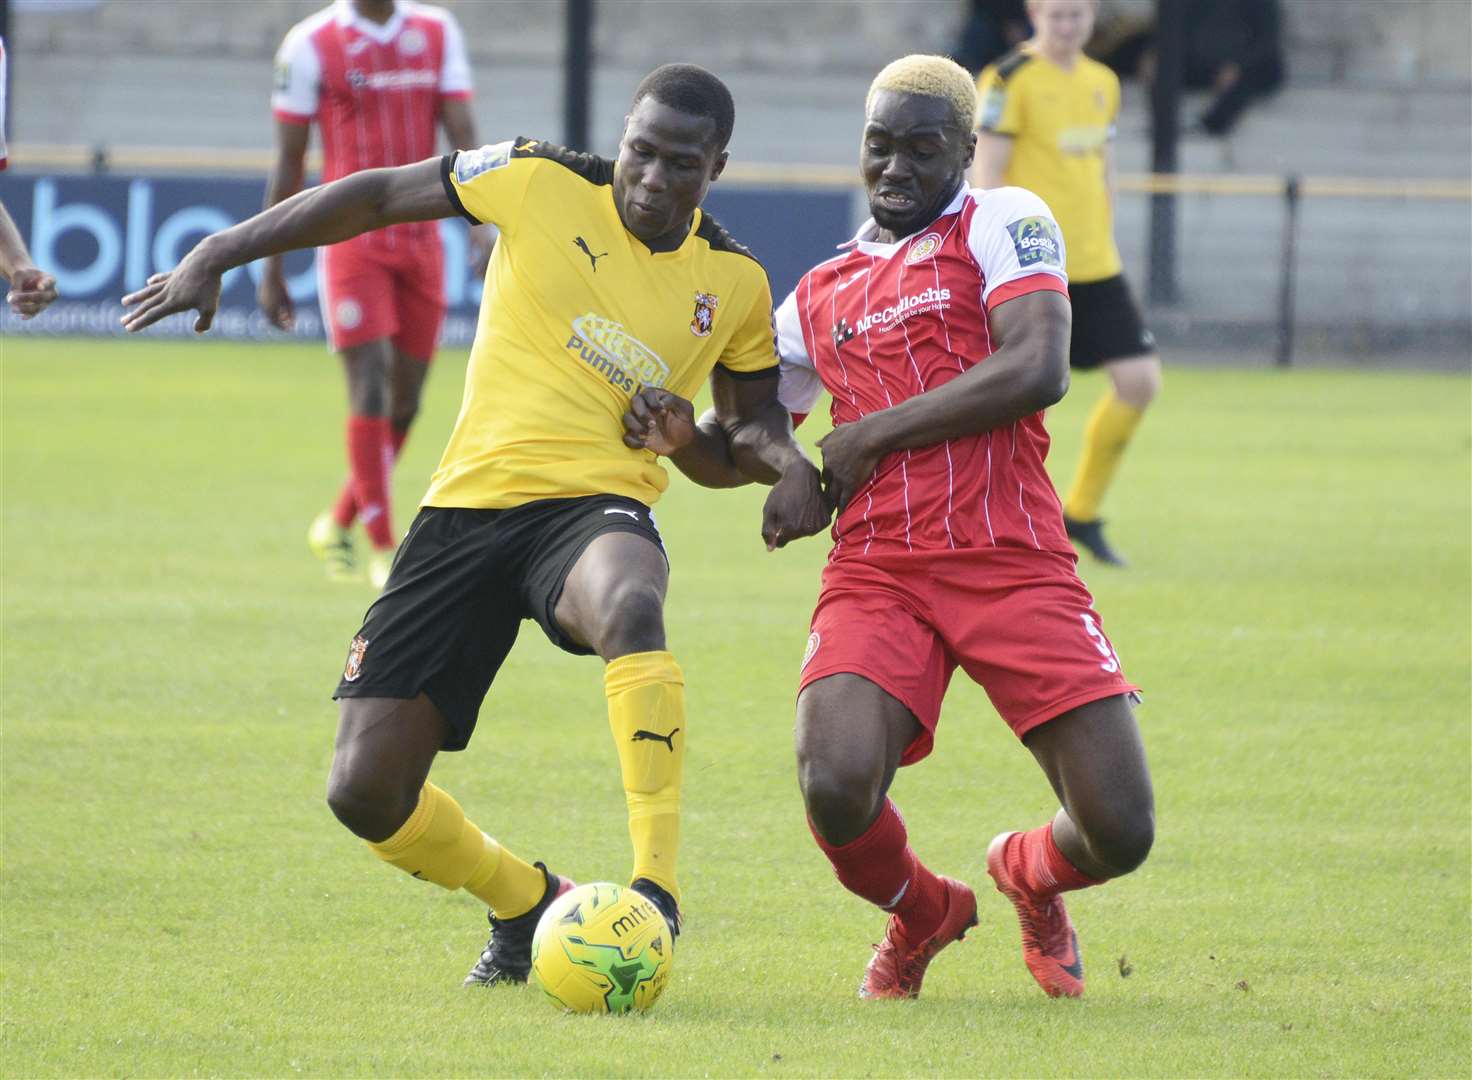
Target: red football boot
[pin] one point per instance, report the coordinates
(898, 968)
(1049, 944)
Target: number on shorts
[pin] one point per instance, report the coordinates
(1101, 644)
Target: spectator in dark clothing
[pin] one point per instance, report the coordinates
(1235, 49)
(993, 28)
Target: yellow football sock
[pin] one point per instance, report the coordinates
(1108, 431)
(438, 844)
(646, 712)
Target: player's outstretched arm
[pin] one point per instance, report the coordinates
(328, 214)
(1027, 372)
(31, 289)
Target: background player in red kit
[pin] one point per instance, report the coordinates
(941, 332)
(379, 78)
(31, 290)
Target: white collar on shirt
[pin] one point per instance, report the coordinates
(864, 238)
(382, 33)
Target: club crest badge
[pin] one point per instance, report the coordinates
(923, 248)
(705, 313)
(348, 313)
(354, 666)
(412, 41)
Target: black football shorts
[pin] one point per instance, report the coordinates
(1106, 324)
(461, 584)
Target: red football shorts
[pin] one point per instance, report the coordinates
(372, 292)
(1020, 623)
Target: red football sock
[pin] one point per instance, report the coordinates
(345, 510)
(880, 867)
(1045, 869)
(368, 457)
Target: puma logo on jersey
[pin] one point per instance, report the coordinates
(845, 284)
(583, 244)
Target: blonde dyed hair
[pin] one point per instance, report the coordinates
(930, 76)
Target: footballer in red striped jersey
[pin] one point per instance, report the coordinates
(379, 78)
(941, 334)
(31, 289)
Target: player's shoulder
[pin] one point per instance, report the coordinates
(824, 272)
(1015, 66)
(561, 160)
(1024, 219)
(1006, 204)
(1097, 73)
(720, 241)
(816, 287)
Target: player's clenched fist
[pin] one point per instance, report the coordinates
(795, 507)
(31, 292)
(659, 420)
(849, 460)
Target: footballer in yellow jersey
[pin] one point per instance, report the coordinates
(1059, 123)
(577, 315)
(610, 296)
(1047, 124)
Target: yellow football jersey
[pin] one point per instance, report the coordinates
(577, 315)
(1059, 122)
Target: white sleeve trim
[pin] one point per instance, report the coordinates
(455, 66)
(298, 78)
(1014, 235)
(798, 387)
(4, 153)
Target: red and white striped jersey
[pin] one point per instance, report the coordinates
(4, 153)
(374, 90)
(881, 323)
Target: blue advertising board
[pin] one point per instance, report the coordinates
(102, 236)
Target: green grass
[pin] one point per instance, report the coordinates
(177, 899)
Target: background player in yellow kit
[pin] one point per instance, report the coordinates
(607, 280)
(1047, 124)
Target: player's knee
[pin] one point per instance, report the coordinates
(367, 397)
(840, 801)
(1138, 383)
(1122, 840)
(632, 621)
(368, 807)
(402, 415)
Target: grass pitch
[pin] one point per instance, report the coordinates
(177, 899)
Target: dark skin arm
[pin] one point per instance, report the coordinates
(1027, 372)
(459, 124)
(287, 176)
(665, 423)
(322, 215)
(746, 437)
